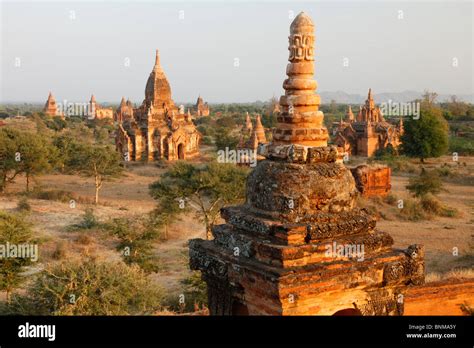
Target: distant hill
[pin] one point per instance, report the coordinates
(326, 97)
(406, 96)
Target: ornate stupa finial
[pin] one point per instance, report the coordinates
(300, 120)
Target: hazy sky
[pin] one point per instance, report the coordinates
(74, 57)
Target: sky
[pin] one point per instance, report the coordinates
(229, 51)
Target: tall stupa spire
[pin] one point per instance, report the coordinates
(157, 66)
(300, 121)
(370, 100)
(157, 89)
(259, 130)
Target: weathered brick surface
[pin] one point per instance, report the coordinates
(372, 181)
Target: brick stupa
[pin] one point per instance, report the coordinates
(279, 253)
(50, 108)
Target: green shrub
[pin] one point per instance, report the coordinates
(136, 241)
(207, 140)
(427, 182)
(53, 195)
(15, 231)
(89, 288)
(391, 199)
(463, 146)
(445, 171)
(60, 251)
(431, 204)
(84, 239)
(223, 138)
(193, 297)
(23, 204)
(88, 222)
(412, 210)
(398, 164)
(424, 208)
(449, 212)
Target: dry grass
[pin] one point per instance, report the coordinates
(439, 234)
(461, 273)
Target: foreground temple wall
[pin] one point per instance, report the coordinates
(440, 298)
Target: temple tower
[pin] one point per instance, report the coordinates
(158, 90)
(248, 123)
(259, 130)
(349, 115)
(299, 245)
(92, 106)
(50, 108)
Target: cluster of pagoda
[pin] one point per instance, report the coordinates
(157, 129)
(367, 133)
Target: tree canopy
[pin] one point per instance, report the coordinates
(24, 153)
(205, 188)
(14, 231)
(99, 162)
(426, 136)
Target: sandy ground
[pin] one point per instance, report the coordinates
(440, 235)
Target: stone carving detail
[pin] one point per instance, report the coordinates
(394, 272)
(416, 263)
(214, 267)
(301, 47)
(381, 303)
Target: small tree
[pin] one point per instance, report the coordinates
(426, 136)
(224, 138)
(24, 153)
(9, 156)
(65, 147)
(427, 182)
(37, 156)
(136, 242)
(165, 214)
(206, 188)
(457, 107)
(14, 231)
(101, 163)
